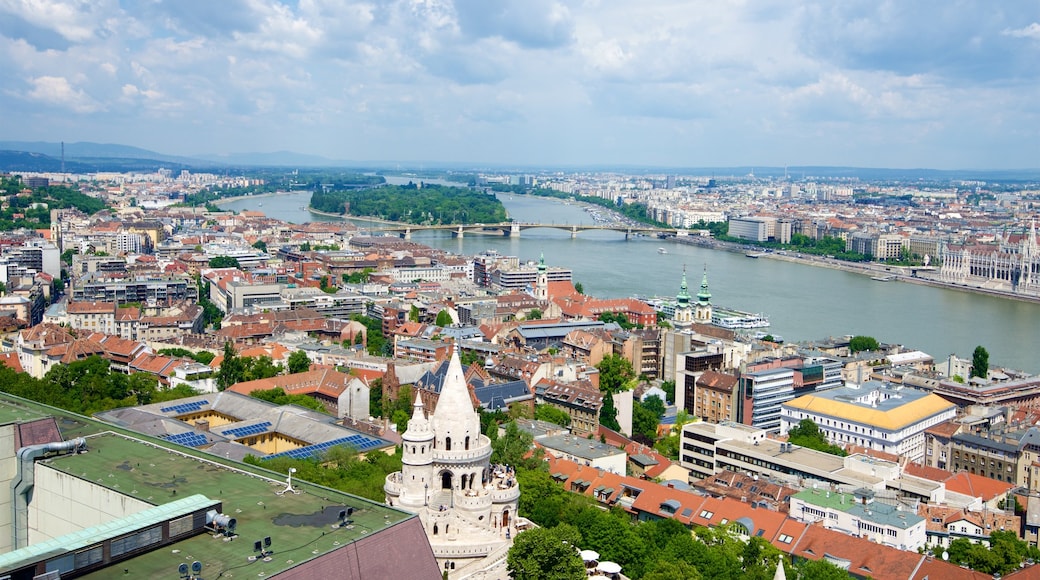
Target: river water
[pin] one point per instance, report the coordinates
(803, 302)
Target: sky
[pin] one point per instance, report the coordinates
(944, 84)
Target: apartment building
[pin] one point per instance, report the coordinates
(886, 418)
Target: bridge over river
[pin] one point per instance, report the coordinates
(514, 229)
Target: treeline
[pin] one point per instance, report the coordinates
(634, 211)
(825, 246)
(30, 214)
(414, 204)
(89, 386)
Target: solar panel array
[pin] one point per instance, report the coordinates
(188, 439)
(247, 430)
(358, 442)
(184, 407)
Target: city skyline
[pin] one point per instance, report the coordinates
(661, 83)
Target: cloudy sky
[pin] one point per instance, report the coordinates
(881, 83)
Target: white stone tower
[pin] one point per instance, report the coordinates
(467, 506)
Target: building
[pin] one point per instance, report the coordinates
(581, 403)
(715, 396)
(766, 385)
(586, 451)
(874, 415)
(466, 505)
(857, 514)
(89, 501)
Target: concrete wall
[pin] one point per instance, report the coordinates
(8, 470)
(62, 504)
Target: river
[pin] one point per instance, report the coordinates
(803, 302)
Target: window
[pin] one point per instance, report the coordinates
(785, 538)
(706, 514)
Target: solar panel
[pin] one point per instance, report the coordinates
(247, 430)
(184, 407)
(188, 439)
(358, 442)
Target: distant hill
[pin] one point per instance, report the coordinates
(275, 159)
(86, 149)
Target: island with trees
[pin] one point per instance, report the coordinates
(413, 204)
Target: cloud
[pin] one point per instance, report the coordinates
(1031, 31)
(59, 92)
(529, 23)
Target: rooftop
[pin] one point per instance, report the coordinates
(301, 525)
(579, 447)
(874, 404)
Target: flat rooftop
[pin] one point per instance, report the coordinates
(579, 446)
(302, 526)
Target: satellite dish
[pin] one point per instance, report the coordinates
(183, 569)
(945, 555)
(196, 567)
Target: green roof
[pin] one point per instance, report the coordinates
(301, 526)
(92, 535)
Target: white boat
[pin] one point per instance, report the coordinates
(736, 319)
(662, 251)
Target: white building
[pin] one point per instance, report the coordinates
(857, 514)
(467, 506)
(874, 415)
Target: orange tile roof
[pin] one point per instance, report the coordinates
(977, 486)
(10, 360)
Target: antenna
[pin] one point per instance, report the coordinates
(63, 161)
(288, 484)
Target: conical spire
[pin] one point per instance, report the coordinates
(683, 297)
(541, 262)
(418, 426)
(455, 412)
(704, 296)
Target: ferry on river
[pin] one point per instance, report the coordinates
(737, 319)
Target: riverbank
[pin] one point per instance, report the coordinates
(869, 269)
(224, 200)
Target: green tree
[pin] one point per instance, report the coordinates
(644, 423)
(608, 413)
(669, 390)
(579, 288)
(232, 368)
(223, 262)
(542, 553)
(512, 446)
(862, 343)
(980, 362)
(413, 313)
(534, 314)
(817, 570)
(261, 367)
(808, 434)
(656, 405)
(260, 245)
(615, 373)
(299, 362)
(279, 397)
(443, 319)
(552, 414)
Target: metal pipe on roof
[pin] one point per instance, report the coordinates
(24, 481)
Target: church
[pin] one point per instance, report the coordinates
(467, 506)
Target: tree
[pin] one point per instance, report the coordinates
(510, 448)
(552, 415)
(413, 313)
(534, 314)
(443, 319)
(807, 434)
(579, 288)
(608, 413)
(644, 423)
(546, 553)
(669, 390)
(817, 569)
(223, 262)
(299, 362)
(232, 368)
(980, 362)
(261, 367)
(615, 372)
(260, 245)
(861, 343)
(655, 404)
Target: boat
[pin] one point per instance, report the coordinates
(882, 278)
(736, 319)
(754, 254)
(662, 251)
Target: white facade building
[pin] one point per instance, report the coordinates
(874, 415)
(857, 514)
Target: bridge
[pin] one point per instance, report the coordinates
(514, 229)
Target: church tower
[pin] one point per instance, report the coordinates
(702, 312)
(541, 284)
(683, 309)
